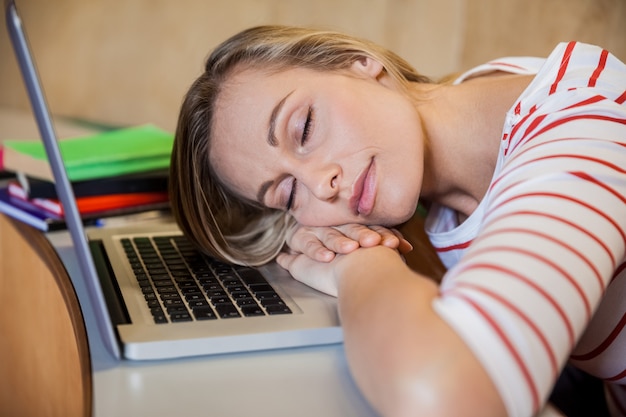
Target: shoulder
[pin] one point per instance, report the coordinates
(565, 57)
(508, 65)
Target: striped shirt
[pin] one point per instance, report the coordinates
(537, 274)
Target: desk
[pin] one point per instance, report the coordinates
(59, 375)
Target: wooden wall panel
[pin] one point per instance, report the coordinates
(496, 28)
(130, 62)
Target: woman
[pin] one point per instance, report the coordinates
(319, 144)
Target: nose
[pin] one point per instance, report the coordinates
(322, 182)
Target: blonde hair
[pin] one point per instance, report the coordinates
(213, 218)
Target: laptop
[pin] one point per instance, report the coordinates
(156, 297)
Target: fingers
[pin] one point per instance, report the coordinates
(285, 259)
(369, 236)
(320, 244)
(336, 240)
(404, 246)
(365, 236)
(318, 275)
(323, 243)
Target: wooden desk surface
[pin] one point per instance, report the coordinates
(44, 355)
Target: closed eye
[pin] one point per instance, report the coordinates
(306, 131)
(308, 124)
(292, 195)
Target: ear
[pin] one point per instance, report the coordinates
(368, 67)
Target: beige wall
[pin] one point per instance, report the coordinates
(130, 61)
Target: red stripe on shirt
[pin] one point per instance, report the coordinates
(532, 126)
(580, 255)
(531, 284)
(522, 121)
(558, 123)
(543, 158)
(510, 347)
(592, 100)
(506, 64)
(530, 323)
(607, 164)
(579, 117)
(601, 64)
(557, 218)
(563, 66)
(621, 99)
(605, 343)
(589, 178)
(544, 260)
(617, 377)
(596, 210)
(463, 245)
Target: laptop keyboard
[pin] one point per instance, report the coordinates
(180, 284)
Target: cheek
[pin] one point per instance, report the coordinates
(402, 193)
(320, 216)
(235, 174)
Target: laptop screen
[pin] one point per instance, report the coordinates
(64, 190)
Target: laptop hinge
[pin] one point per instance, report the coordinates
(110, 289)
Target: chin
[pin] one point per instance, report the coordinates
(397, 215)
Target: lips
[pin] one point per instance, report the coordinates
(364, 192)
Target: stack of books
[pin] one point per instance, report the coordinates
(113, 172)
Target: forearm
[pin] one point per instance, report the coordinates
(405, 359)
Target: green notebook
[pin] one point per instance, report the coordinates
(116, 152)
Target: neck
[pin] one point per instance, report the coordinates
(463, 126)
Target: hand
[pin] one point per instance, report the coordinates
(324, 276)
(323, 243)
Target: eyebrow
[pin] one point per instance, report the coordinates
(273, 141)
(271, 135)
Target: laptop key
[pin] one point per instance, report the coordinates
(227, 311)
(158, 315)
(160, 318)
(277, 309)
(264, 295)
(178, 317)
(252, 276)
(192, 289)
(204, 313)
(220, 300)
(198, 303)
(169, 289)
(248, 301)
(176, 309)
(163, 283)
(266, 302)
(170, 296)
(173, 302)
(252, 310)
(153, 303)
(194, 296)
(256, 288)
